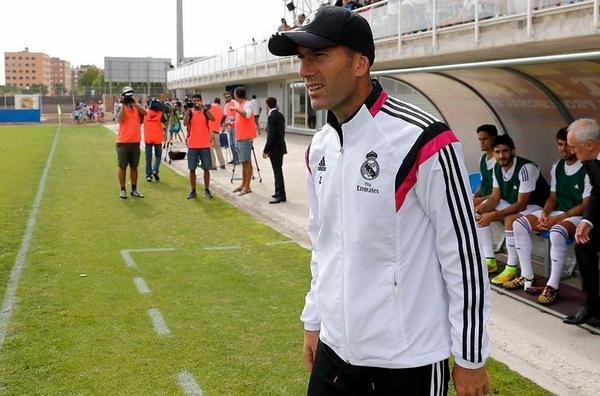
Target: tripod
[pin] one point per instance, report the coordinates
(255, 162)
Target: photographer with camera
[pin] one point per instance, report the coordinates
(154, 136)
(128, 141)
(196, 119)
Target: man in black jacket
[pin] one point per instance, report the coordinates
(275, 147)
(584, 138)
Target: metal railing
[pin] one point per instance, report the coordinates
(395, 20)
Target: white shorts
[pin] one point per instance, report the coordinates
(528, 210)
(575, 220)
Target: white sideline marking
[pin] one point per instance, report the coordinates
(141, 285)
(130, 262)
(158, 322)
(188, 384)
(279, 243)
(220, 247)
(15, 274)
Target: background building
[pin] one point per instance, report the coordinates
(60, 76)
(24, 69)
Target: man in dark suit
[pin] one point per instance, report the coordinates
(275, 147)
(584, 138)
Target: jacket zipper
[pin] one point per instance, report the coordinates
(341, 195)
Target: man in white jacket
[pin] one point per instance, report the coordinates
(398, 279)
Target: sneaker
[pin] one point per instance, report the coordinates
(123, 194)
(517, 283)
(508, 274)
(548, 296)
(137, 194)
(148, 178)
(222, 166)
(208, 194)
(491, 264)
(156, 176)
(192, 195)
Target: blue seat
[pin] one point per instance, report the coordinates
(475, 181)
(546, 235)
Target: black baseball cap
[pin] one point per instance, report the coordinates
(330, 26)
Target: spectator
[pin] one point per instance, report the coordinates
(518, 190)
(299, 21)
(215, 127)
(569, 196)
(256, 109)
(128, 141)
(284, 27)
(230, 105)
(584, 138)
(486, 134)
(154, 136)
(275, 147)
(196, 120)
(245, 133)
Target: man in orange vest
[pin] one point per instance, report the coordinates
(245, 133)
(198, 141)
(128, 141)
(154, 136)
(215, 129)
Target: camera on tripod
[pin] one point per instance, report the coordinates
(127, 96)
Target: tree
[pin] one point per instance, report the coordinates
(37, 88)
(59, 89)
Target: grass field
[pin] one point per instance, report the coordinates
(81, 326)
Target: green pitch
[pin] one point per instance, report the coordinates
(228, 298)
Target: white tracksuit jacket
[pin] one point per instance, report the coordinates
(398, 278)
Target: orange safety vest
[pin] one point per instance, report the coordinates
(245, 128)
(217, 112)
(153, 129)
(198, 133)
(130, 130)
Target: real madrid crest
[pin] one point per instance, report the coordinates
(370, 168)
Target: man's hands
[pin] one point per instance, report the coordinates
(486, 218)
(311, 339)
(582, 233)
(469, 382)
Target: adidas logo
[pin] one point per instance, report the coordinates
(515, 187)
(321, 166)
(576, 186)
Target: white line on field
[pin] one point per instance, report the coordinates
(130, 262)
(158, 322)
(188, 384)
(15, 274)
(220, 247)
(141, 285)
(278, 243)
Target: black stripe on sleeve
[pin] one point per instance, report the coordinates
(459, 238)
(476, 268)
(390, 105)
(413, 108)
(403, 117)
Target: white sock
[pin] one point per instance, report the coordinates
(558, 253)
(521, 230)
(512, 258)
(486, 239)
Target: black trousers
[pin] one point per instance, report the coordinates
(587, 261)
(332, 376)
(276, 164)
